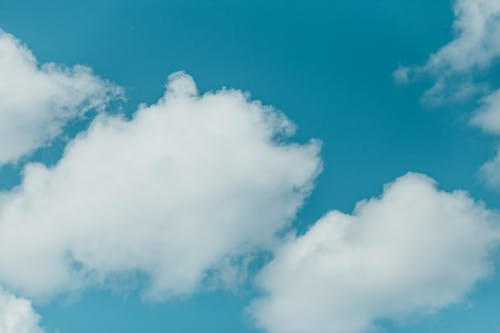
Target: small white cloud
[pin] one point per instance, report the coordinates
(402, 74)
(413, 250)
(17, 315)
(488, 115)
(459, 68)
(36, 101)
(180, 193)
(490, 172)
(475, 47)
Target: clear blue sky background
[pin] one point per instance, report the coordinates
(326, 64)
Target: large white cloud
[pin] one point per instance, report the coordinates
(17, 315)
(179, 193)
(414, 249)
(36, 101)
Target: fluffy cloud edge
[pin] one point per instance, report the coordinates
(17, 315)
(220, 152)
(37, 100)
(414, 249)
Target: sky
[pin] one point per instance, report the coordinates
(249, 166)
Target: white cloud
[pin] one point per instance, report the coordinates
(475, 46)
(477, 42)
(488, 115)
(179, 193)
(402, 75)
(36, 101)
(17, 315)
(490, 171)
(461, 67)
(413, 250)
(488, 118)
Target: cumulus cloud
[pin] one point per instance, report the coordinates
(17, 315)
(415, 249)
(180, 193)
(36, 101)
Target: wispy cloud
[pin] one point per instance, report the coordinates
(461, 67)
(475, 46)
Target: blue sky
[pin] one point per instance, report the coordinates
(328, 66)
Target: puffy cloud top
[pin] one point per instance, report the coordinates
(17, 315)
(179, 193)
(414, 249)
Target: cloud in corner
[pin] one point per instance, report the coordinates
(17, 315)
(36, 101)
(415, 249)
